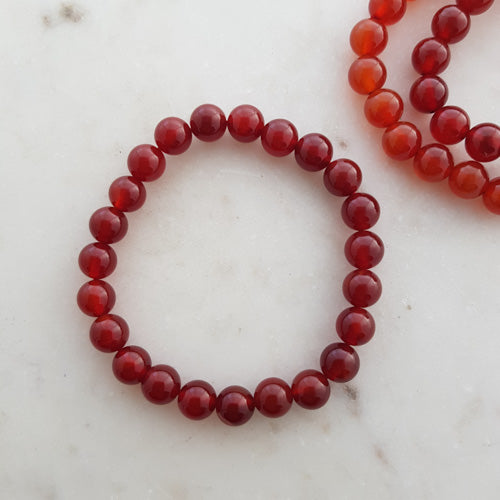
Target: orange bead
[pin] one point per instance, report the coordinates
(468, 179)
(383, 108)
(491, 196)
(368, 38)
(387, 11)
(367, 74)
(401, 141)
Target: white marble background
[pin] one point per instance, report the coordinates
(232, 271)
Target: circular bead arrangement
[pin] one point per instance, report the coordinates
(273, 397)
(449, 125)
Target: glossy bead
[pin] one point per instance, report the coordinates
(97, 260)
(108, 225)
(313, 152)
(173, 135)
(131, 364)
(109, 333)
(360, 211)
(161, 384)
(197, 400)
(342, 177)
(339, 362)
(367, 74)
(368, 38)
(430, 56)
(468, 179)
(208, 122)
(279, 137)
(96, 298)
(433, 162)
(474, 7)
(449, 125)
(310, 389)
(364, 250)
(273, 397)
(355, 326)
(245, 123)
(450, 24)
(401, 141)
(234, 405)
(127, 194)
(362, 288)
(146, 163)
(428, 94)
(483, 142)
(491, 196)
(383, 108)
(387, 11)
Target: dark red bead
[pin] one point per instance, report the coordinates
(430, 56)
(387, 11)
(339, 362)
(468, 179)
(310, 389)
(146, 163)
(273, 397)
(131, 364)
(355, 326)
(366, 75)
(360, 211)
(364, 249)
(428, 94)
(313, 152)
(127, 194)
(362, 288)
(368, 38)
(245, 123)
(450, 24)
(197, 400)
(491, 196)
(109, 333)
(108, 225)
(433, 163)
(383, 108)
(234, 405)
(96, 298)
(483, 142)
(474, 7)
(449, 125)
(342, 177)
(401, 141)
(208, 122)
(97, 260)
(173, 135)
(279, 137)
(161, 384)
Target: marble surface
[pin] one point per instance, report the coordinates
(232, 270)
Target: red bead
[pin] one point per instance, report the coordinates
(234, 405)
(483, 142)
(430, 56)
(364, 250)
(367, 74)
(146, 163)
(342, 177)
(161, 384)
(401, 141)
(491, 196)
(433, 162)
(96, 298)
(97, 260)
(360, 211)
(450, 24)
(245, 123)
(197, 400)
(208, 122)
(449, 125)
(474, 7)
(387, 11)
(339, 362)
(362, 288)
(279, 137)
(273, 397)
(468, 179)
(310, 389)
(428, 94)
(313, 152)
(109, 333)
(173, 135)
(127, 194)
(108, 225)
(383, 108)
(131, 364)
(355, 326)
(368, 38)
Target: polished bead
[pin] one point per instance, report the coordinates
(108, 225)
(245, 123)
(468, 179)
(367, 74)
(362, 288)
(483, 142)
(234, 405)
(360, 211)
(474, 7)
(161, 384)
(428, 94)
(146, 163)
(127, 194)
(339, 362)
(355, 326)
(383, 108)
(313, 152)
(131, 364)
(97, 260)
(364, 250)
(430, 56)
(368, 38)
(449, 125)
(273, 397)
(279, 137)
(197, 400)
(433, 162)
(387, 11)
(173, 135)
(401, 141)
(491, 196)
(310, 389)
(109, 333)
(208, 122)
(342, 177)
(450, 24)
(96, 298)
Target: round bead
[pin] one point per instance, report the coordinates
(364, 250)
(279, 137)
(245, 123)
(208, 122)
(146, 163)
(108, 225)
(313, 152)
(109, 333)
(450, 24)
(368, 38)
(474, 7)
(273, 397)
(197, 400)
(483, 142)
(468, 179)
(360, 211)
(173, 135)
(362, 288)
(131, 364)
(430, 56)
(383, 108)
(355, 326)
(96, 298)
(367, 74)
(97, 260)
(339, 362)
(491, 196)
(449, 125)
(234, 405)
(401, 141)
(310, 389)
(428, 94)
(127, 194)
(342, 177)
(387, 11)
(433, 162)
(161, 384)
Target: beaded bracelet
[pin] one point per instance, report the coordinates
(273, 397)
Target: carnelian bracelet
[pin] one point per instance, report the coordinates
(273, 397)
